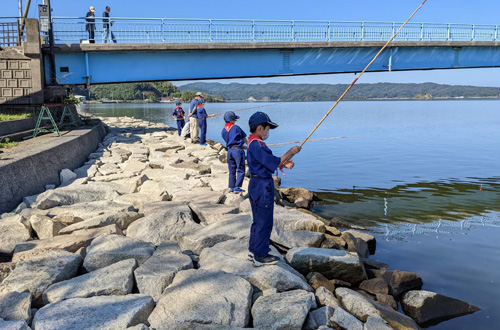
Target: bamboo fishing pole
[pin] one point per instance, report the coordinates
(362, 72)
(221, 113)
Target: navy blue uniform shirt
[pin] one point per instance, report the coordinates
(260, 159)
(178, 113)
(202, 113)
(234, 137)
(192, 108)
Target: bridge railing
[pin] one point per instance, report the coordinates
(11, 32)
(70, 30)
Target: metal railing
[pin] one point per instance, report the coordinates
(162, 30)
(10, 32)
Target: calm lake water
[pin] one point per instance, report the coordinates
(423, 176)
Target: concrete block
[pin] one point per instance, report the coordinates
(6, 74)
(18, 74)
(27, 91)
(3, 83)
(25, 83)
(27, 74)
(24, 65)
(17, 92)
(3, 100)
(3, 64)
(13, 65)
(12, 83)
(7, 92)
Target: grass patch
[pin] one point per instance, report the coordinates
(15, 117)
(6, 143)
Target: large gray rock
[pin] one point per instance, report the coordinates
(42, 270)
(73, 195)
(45, 227)
(15, 306)
(429, 308)
(106, 250)
(231, 257)
(158, 272)
(283, 311)
(356, 245)
(210, 213)
(85, 211)
(333, 264)
(362, 307)
(12, 232)
(227, 228)
(401, 281)
(318, 317)
(203, 194)
(300, 238)
(117, 279)
(164, 221)
(344, 320)
(101, 312)
(13, 325)
(291, 219)
(326, 298)
(121, 219)
(375, 322)
(369, 239)
(185, 300)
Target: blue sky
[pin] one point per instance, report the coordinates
(441, 11)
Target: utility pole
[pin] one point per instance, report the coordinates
(51, 44)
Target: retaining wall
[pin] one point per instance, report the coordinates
(15, 126)
(28, 172)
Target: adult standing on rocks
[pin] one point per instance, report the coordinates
(193, 117)
(262, 164)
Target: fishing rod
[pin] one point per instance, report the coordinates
(357, 78)
(315, 140)
(222, 113)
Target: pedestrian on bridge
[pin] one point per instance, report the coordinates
(90, 24)
(193, 118)
(106, 24)
(179, 116)
(202, 122)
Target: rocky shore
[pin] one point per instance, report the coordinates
(145, 235)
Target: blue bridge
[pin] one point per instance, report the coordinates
(185, 49)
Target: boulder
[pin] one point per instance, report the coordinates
(375, 322)
(429, 308)
(13, 325)
(45, 227)
(158, 272)
(108, 169)
(326, 298)
(117, 279)
(300, 238)
(231, 257)
(317, 280)
(362, 307)
(401, 282)
(291, 219)
(369, 239)
(343, 320)
(292, 194)
(41, 271)
(72, 195)
(185, 300)
(229, 227)
(66, 175)
(121, 219)
(12, 233)
(318, 317)
(209, 213)
(106, 250)
(285, 310)
(356, 245)
(386, 300)
(85, 211)
(336, 264)
(374, 268)
(15, 306)
(5, 269)
(233, 199)
(164, 221)
(156, 191)
(374, 286)
(101, 312)
(200, 194)
(136, 199)
(134, 165)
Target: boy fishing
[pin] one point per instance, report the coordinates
(179, 116)
(202, 122)
(262, 164)
(235, 139)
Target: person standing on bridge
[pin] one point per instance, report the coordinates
(179, 116)
(90, 24)
(106, 24)
(193, 118)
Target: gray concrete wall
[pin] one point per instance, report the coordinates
(14, 126)
(28, 174)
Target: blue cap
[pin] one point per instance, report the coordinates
(230, 115)
(178, 103)
(260, 118)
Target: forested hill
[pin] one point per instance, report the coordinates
(326, 92)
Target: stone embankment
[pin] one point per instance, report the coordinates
(146, 236)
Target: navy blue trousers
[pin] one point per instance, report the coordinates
(261, 192)
(202, 122)
(180, 126)
(236, 165)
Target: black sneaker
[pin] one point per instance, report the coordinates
(267, 260)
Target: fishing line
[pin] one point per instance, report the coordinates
(315, 140)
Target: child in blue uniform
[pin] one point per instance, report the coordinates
(179, 116)
(202, 122)
(235, 139)
(262, 164)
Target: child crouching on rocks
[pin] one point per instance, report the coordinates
(262, 164)
(235, 139)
